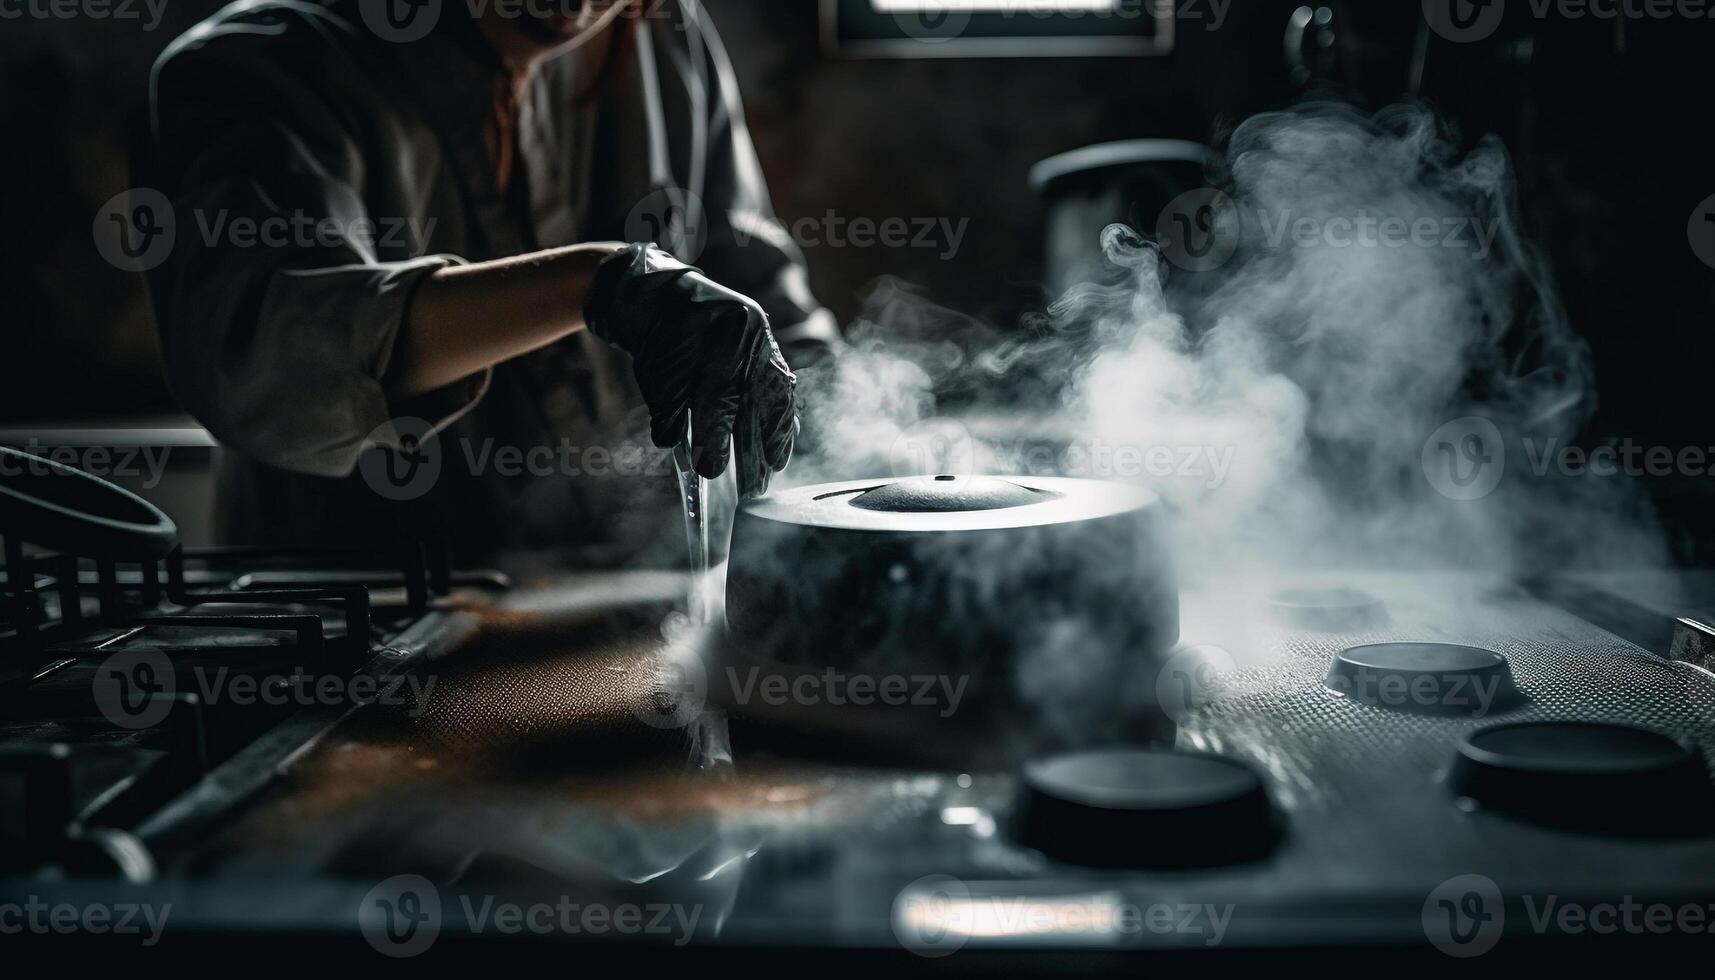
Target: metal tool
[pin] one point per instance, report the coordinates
(711, 746)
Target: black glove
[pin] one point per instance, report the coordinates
(700, 348)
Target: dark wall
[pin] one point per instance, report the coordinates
(1610, 125)
(938, 139)
(955, 138)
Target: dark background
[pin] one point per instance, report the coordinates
(1609, 123)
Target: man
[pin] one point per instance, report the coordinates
(460, 178)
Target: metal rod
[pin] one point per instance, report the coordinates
(71, 596)
(416, 579)
(21, 583)
(107, 575)
(693, 493)
(440, 569)
(151, 574)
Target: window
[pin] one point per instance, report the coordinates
(997, 28)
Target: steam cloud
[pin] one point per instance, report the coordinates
(1316, 373)
(1316, 370)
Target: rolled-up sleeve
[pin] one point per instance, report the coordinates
(278, 310)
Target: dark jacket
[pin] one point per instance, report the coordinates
(366, 163)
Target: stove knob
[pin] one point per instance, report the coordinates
(1337, 610)
(1588, 776)
(1144, 808)
(1424, 678)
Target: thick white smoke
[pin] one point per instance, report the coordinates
(1288, 403)
(1306, 406)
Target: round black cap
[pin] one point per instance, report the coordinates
(1143, 808)
(1335, 610)
(1424, 678)
(1584, 775)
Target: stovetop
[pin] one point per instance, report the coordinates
(142, 701)
(533, 778)
(380, 749)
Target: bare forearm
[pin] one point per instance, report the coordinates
(471, 317)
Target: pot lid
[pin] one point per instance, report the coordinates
(947, 495)
(939, 503)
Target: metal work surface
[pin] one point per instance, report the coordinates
(783, 844)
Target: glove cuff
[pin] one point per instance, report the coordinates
(604, 286)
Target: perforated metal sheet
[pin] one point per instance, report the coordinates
(1361, 787)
